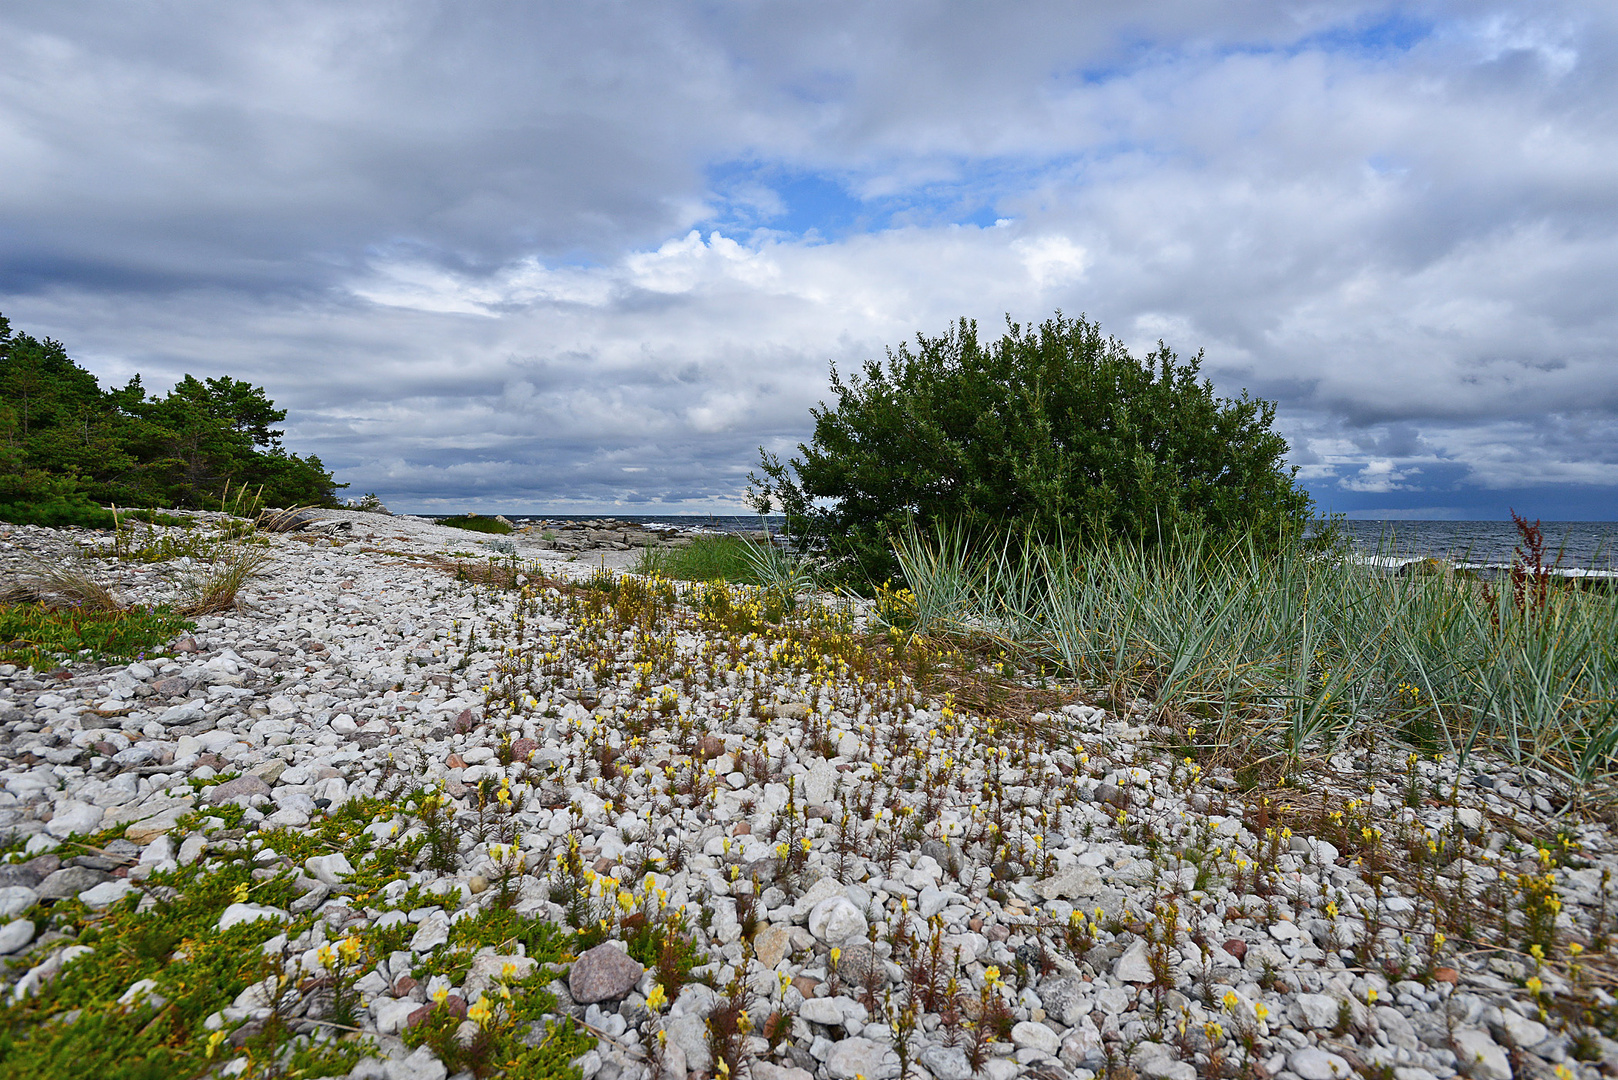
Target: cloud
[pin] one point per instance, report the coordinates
(586, 256)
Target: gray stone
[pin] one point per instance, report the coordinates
(74, 817)
(15, 935)
(420, 1065)
(431, 933)
(192, 847)
(820, 782)
(1074, 883)
(1479, 1056)
(820, 1010)
(1064, 999)
(248, 785)
(1319, 1011)
(1162, 1067)
(604, 973)
(71, 881)
(1518, 1030)
(329, 870)
(857, 963)
(862, 1057)
(16, 899)
(1036, 1036)
(823, 889)
(690, 1034)
(236, 914)
(946, 1063)
(836, 921)
(1133, 966)
(105, 894)
(1312, 1063)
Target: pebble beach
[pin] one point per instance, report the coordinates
(869, 864)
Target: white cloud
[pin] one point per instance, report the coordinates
(481, 252)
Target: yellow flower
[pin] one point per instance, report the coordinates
(326, 956)
(441, 995)
(657, 998)
(1261, 1011)
(1230, 1000)
(992, 975)
(1534, 985)
(239, 893)
(480, 1012)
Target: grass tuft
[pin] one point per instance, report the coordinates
(217, 589)
(712, 557)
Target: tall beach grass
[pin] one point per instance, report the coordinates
(1291, 653)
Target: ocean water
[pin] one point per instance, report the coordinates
(701, 522)
(1584, 545)
(1587, 545)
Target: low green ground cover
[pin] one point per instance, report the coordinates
(144, 997)
(33, 635)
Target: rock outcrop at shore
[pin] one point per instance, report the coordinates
(873, 874)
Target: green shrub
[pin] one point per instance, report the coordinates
(1051, 432)
(58, 511)
(477, 523)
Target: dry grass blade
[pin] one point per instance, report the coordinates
(216, 591)
(288, 520)
(58, 587)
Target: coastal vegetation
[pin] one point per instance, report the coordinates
(1261, 657)
(1056, 433)
(708, 557)
(1109, 521)
(477, 523)
(69, 448)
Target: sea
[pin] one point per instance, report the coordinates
(1573, 545)
(719, 523)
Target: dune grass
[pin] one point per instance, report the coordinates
(1291, 653)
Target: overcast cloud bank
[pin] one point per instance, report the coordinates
(591, 257)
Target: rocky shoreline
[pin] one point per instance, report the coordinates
(873, 874)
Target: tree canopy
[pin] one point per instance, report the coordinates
(1054, 432)
(65, 442)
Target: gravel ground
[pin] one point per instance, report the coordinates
(882, 876)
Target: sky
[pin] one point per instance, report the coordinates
(590, 257)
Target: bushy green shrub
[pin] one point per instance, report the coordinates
(1054, 432)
